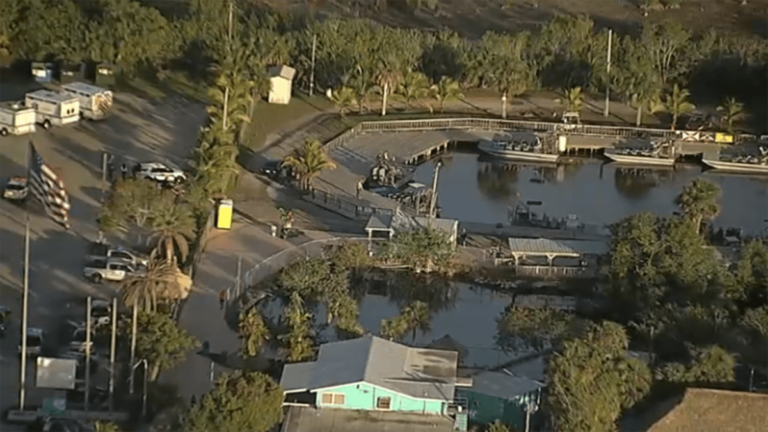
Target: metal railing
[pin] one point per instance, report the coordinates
(282, 259)
(343, 206)
(488, 124)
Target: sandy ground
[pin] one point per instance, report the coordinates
(138, 131)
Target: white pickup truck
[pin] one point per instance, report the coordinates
(114, 270)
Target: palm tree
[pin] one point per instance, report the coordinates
(413, 87)
(732, 111)
(253, 332)
(308, 161)
(387, 78)
(344, 99)
(445, 90)
(699, 201)
(573, 99)
(363, 87)
(393, 328)
(509, 81)
(215, 168)
(416, 317)
(235, 92)
(172, 225)
(677, 104)
(145, 290)
(299, 342)
(103, 426)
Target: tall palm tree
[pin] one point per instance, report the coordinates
(344, 99)
(146, 289)
(699, 201)
(413, 87)
(509, 81)
(677, 104)
(445, 90)
(387, 77)
(573, 99)
(731, 111)
(172, 226)
(308, 161)
(215, 168)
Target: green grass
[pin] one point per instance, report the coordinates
(270, 118)
(157, 88)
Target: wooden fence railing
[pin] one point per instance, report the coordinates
(487, 124)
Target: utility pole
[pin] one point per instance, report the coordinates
(607, 109)
(226, 102)
(229, 30)
(133, 344)
(312, 73)
(433, 198)
(112, 347)
(239, 275)
(87, 352)
(24, 318)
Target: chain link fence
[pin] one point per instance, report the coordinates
(282, 259)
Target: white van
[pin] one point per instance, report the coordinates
(95, 102)
(53, 108)
(16, 119)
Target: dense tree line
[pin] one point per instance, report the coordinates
(373, 59)
(665, 286)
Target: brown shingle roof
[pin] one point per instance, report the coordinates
(705, 410)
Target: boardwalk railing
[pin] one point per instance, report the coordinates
(487, 124)
(344, 207)
(282, 259)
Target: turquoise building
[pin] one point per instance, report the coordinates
(502, 396)
(370, 373)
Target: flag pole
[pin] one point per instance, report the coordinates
(24, 318)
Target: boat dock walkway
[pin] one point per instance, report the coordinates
(336, 190)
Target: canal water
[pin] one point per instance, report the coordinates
(474, 188)
(466, 313)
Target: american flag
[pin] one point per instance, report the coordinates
(48, 188)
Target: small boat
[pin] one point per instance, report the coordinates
(518, 150)
(750, 164)
(657, 155)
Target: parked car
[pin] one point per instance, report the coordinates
(271, 168)
(114, 270)
(159, 172)
(101, 251)
(35, 341)
(16, 189)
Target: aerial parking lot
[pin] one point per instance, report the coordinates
(137, 130)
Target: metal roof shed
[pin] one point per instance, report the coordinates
(501, 396)
(281, 83)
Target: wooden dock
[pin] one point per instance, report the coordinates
(337, 189)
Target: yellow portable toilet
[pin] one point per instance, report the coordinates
(224, 214)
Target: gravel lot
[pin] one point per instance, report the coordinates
(139, 131)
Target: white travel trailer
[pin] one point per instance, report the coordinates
(16, 119)
(52, 108)
(95, 102)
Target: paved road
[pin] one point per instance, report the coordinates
(137, 130)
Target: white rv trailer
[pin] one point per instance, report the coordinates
(95, 102)
(16, 119)
(52, 108)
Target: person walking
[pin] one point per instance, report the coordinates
(111, 168)
(124, 170)
(359, 188)
(222, 298)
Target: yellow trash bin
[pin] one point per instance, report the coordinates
(224, 214)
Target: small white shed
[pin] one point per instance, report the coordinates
(281, 81)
